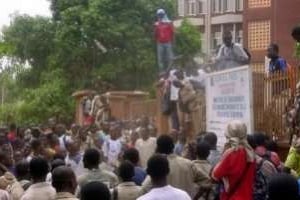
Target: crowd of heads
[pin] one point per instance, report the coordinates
(34, 154)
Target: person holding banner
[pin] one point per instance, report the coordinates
(231, 54)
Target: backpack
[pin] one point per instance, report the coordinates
(260, 186)
(267, 156)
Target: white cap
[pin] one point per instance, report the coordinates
(160, 11)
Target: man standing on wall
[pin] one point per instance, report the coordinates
(164, 34)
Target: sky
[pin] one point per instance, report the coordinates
(31, 7)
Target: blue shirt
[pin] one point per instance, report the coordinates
(139, 175)
(277, 64)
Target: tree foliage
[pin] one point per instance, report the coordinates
(188, 41)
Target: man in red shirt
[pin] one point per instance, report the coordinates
(164, 33)
(12, 134)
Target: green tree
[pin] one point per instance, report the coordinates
(188, 42)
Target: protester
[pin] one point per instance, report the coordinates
(230, 54)
(54, 164)
(296, 33)
(293, 159)
(60, 130)
(9, 183)
(237, 166)
(283, 186)
(140, 174)
(214, 155)
(6, 162)
(37, 149)
(94, 138)
(164, 33)
(127, 189)
(261, 141)
(266, 166)
(112, 147)
(145, 145)
(180, 175)
(277, 63)
(158, 169)
(40, 189)
(95, 190)
(22, 174)
(201, 169)
(12, 134)
(64, 182)
(74, 156)
(181, 142)
(91, 161)
(189, 103)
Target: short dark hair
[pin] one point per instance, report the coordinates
(203, 149)
(260, 139)
(165, 144)
(35, 144)
(275, 47)
(251, 141)
(38, 167)
(22, 169)
(126, 171)
(132, 155)
(158, 166)
(296, 32)
(62, 178)
(227, 33)
(57, 163)
(91, 158)
(95, 190)
(283, 186)
(211, 138)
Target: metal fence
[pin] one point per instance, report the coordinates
(272, 93)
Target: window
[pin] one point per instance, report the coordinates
(216, 6)
(220, 6)
(259, 34)
(192, 7)
(225, 5)
(181, 8)
(259, 3)
(239, 36)
(216, 40)
(239, 5)
(200, 8)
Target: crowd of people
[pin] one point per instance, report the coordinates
(130, 160)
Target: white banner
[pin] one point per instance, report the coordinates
(229, 97)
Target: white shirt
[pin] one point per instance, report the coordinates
(174, 90)
(77, 168)
(165, 193)
(146, 149)
(111, 150)
(201, 77)
(40, 191)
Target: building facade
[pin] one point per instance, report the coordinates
(270, 21)
(212, 18)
